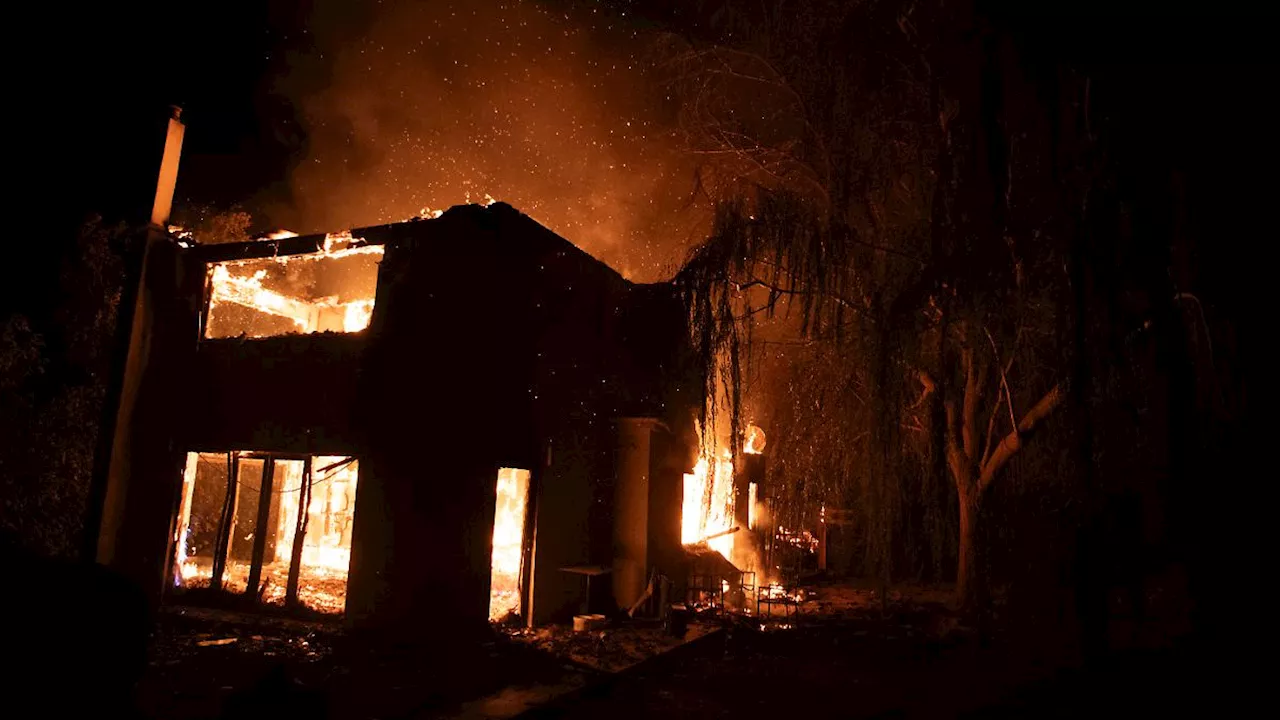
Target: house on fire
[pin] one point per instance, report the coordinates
(417, 423)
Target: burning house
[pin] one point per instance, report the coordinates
(420, 422)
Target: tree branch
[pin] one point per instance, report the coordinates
(929, 387)
(849, 236)
(1012, 442)
(956, 459)
(969, 427)
(991, 428)
(757, 282)
(1004, 389)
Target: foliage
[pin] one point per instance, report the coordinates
(210, 225)
(884, 221)
(52, 385)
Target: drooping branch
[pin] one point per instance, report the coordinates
(1012, 442)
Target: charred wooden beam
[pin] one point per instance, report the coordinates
(226, 522)
(722, 533)
(299, 535)
(260, 529)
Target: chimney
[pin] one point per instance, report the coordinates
(168, 179)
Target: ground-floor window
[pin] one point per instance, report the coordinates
(266, 528)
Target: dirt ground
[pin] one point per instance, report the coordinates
(214, 664)
(845, 651)
(849, 653)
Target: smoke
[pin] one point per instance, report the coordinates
(428, 105)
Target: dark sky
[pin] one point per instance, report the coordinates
(323, 116)
(93, 84)
(263, 86)
(100, 77)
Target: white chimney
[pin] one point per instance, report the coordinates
(168, 179)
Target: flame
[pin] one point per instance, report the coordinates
(508, 542)
(778, 591)
(331, 512)
(335, 242)
(708, 504)
(357, 315)
(241, 283)
(755, 440)
(326, 549)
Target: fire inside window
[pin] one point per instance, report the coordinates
(327, 291)
(508, 543)
(273, 527)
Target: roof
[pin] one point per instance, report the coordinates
(509, 231)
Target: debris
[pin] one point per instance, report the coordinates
(588, 623)
(220, 641)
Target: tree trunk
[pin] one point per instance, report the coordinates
(968, 578)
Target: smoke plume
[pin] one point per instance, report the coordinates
(428, 105)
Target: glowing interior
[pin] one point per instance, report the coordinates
(508, 542)
(209, 511)
(327, 291)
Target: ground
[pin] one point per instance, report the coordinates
(847, 653)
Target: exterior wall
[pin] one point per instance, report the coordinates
(143, 474)
(295, 393)
(443, 401)
(671, 455)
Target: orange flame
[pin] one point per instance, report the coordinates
(242, 283)
(326, 548)
(708, 504)
(508, 542)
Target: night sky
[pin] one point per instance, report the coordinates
(320, 117)
(338, 115)
(324, 116)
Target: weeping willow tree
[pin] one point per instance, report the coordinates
(777, 324)
(880, 219)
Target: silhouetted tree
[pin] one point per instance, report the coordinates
(874, 184)
(52, 386)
